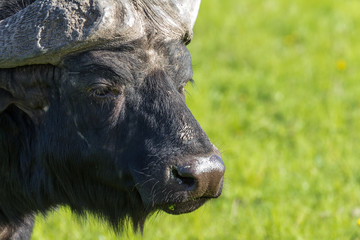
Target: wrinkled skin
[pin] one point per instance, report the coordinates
(103, 132)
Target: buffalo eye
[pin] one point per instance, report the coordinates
(104, 91)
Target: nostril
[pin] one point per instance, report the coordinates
(183, 178)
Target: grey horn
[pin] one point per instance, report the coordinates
(47, 30)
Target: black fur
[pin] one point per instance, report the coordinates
(99, 133)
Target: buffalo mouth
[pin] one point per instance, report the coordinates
(183, 207)
(182, 188)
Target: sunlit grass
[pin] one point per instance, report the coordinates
(278, 91)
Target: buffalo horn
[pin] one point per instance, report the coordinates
(47, 30)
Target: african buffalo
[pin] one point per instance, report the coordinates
(93, 112)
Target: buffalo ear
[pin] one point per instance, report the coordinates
(5, 100)
(26, 88)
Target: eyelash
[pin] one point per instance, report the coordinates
(101, 93)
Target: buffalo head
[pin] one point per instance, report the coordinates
(93, 112)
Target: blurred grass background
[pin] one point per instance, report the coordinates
(278, 91)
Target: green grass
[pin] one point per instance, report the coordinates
(278, 91)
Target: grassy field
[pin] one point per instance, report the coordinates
(278, 91)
